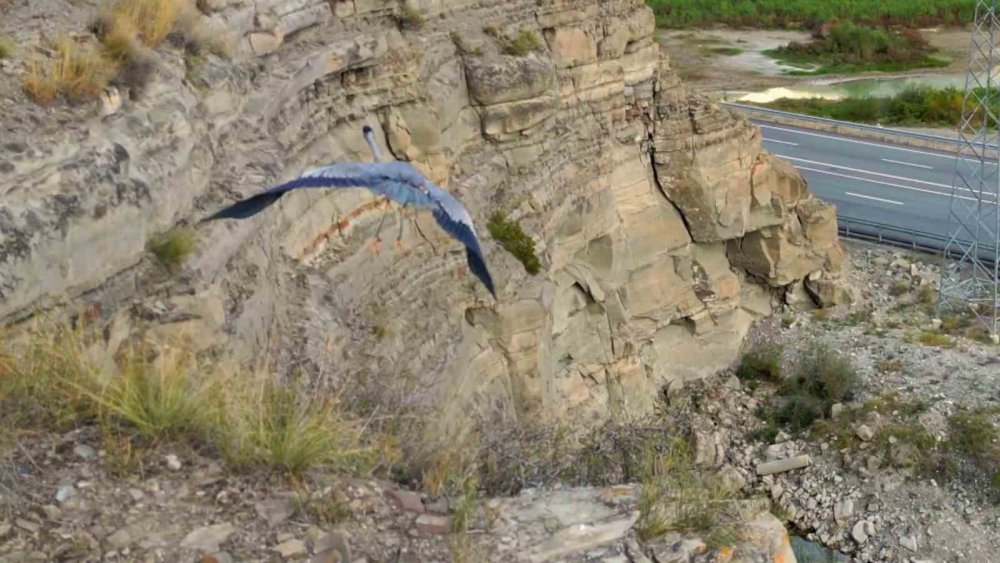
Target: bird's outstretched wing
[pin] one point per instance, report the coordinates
(452, 216)
(398, 181)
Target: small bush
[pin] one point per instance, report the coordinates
(514, 240)
(410, 16)
(899, 288)
(762, 363)
(525, 42)
(173, 247)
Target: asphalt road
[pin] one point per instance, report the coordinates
(893, 185)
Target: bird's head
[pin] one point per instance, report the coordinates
(369, 134)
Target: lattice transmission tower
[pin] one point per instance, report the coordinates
(972, 282)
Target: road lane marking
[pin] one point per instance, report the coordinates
(855, 141)
(869, 172)
(874, 198)
(781, 142)
(869, 180)
(924, 166)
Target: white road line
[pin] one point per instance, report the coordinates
(781, 142)
(859, 171)
(874, 198)
(869, 180)
(924, 166)
(857, 142)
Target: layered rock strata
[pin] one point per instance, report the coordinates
(663, 227)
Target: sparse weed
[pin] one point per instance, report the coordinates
(525, 42)
(324, 508)
(173, 247)
(890, 366)
(936, 339)
(675, 497)
(462, 46)
(899, 288)
(820, 378)
(762, 363)
(410, 16)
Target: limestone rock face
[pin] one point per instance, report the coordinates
(663, 228)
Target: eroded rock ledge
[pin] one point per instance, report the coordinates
(664, 228)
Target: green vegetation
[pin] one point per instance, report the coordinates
(514, 240)
(525, 42)
(6, 47)
(462, 46)
(795, 13)
(724, 51)
(820, 378)
(915, 106)
(852, 48)
(173, 247)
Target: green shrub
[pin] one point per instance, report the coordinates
(410, 16)
(514, 240)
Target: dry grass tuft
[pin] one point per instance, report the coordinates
(149, 21)
(279, 427)
(75, 70)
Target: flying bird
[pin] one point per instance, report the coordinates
(395, 180)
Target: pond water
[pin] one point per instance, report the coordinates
(809, 552)
(866, 87)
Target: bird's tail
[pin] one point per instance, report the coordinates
(247, 207)
(478, 267)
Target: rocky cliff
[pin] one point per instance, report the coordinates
(663, 228)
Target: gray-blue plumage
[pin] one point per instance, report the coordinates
(395, 180)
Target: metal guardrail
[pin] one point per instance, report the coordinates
(872, 231)
(850, 124)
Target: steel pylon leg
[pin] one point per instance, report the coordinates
(971, 283)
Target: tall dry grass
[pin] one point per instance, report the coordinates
(54, 377)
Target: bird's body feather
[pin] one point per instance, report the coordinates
(396, 180)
